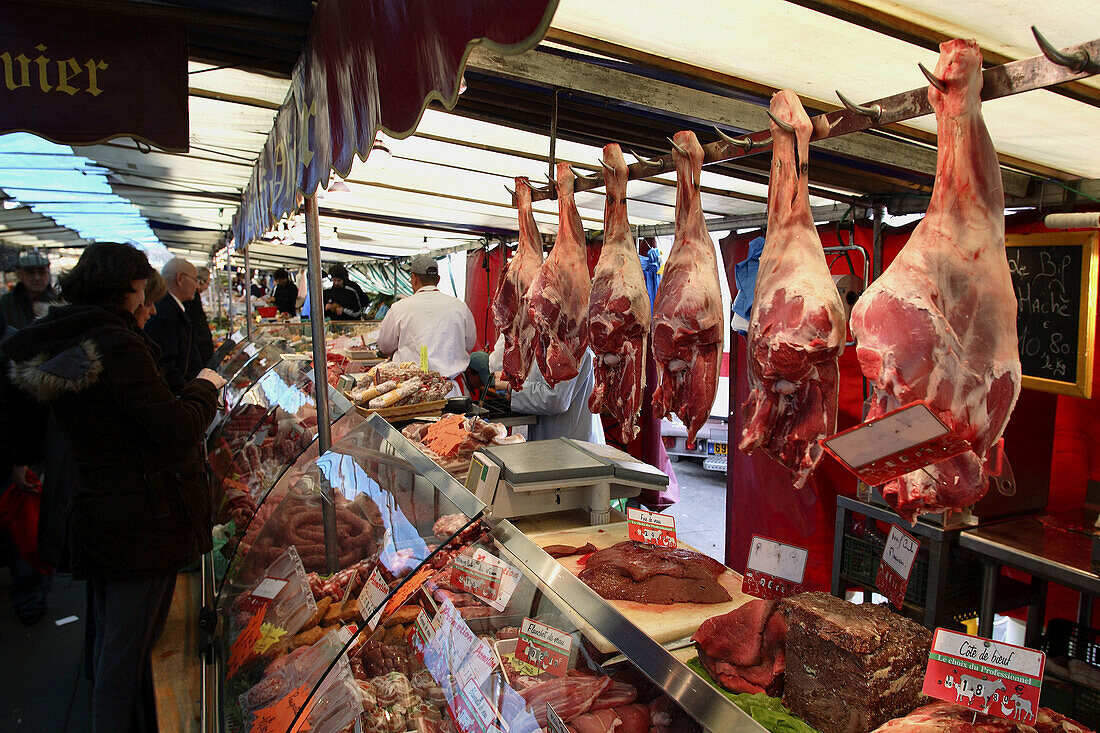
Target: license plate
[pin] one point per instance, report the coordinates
(720, 449)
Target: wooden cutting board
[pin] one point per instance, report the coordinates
(662, 622)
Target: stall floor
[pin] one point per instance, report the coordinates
(700, 513)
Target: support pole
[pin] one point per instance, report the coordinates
(320, 376)
(229, 276)
(247, 294)
(878, 210)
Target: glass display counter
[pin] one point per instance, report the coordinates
(371, 593)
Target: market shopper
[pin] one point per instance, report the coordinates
(342, 301)
(171, 328)
(562, 409)
(32, 296)
(142, 509)
(439, 323)
(200, 326)
(285, 297)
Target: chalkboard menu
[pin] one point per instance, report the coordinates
(1054, 275)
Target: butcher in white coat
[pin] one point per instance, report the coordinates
(440, 323)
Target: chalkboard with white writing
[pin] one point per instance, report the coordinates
(1054, 276)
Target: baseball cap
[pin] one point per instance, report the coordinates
(423, 265)
(32, 259)
(338, 271)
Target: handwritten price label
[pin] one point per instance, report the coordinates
(545, 647)
(509, 578)
(370, 598)
(988, 676)
(774, 570)
(554, 721)
(896, 565)
(651, 528)
(478, 578)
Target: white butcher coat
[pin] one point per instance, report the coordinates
(562, 409)
(442, 323)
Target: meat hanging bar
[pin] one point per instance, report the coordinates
(1051, 67)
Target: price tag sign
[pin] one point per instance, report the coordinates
(988, 676)
(651, 528)
(244, 646)
(423, 358)
(509, 578)
(545, 647)
(478, 704)
(554, 721)
(478, 663)
(476, 577)
(774, 570)
(425, 630)
(892, 445)
(370, 599)
(896, 565)
(268, 588)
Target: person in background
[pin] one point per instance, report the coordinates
(200, 327)
(258, 289)
(142, 508)
(155, 290)
(562, 409)
(342, 302)
(285, 297)
(171, 328)
(442, 324)
(32, 296)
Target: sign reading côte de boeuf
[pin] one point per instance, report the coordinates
(79, 77)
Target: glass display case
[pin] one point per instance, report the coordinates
(413, 611)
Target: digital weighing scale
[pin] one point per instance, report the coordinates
(522, 479)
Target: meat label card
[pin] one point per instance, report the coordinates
(509, 578)
(892, 445)
(370, 599)
(896, 565)
(988, 676)
(475, 577)
(774, 570)
(553, 721)
(545, 647)
(651, 528)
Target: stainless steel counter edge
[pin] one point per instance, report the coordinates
(447, 485)
(701, 701)
(1067, 575)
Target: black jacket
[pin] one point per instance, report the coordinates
(346, 298)
(200, 330)
(17, 308)
(171, 329)
(142, 505)
(285, 298)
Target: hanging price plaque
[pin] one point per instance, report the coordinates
(896, 565)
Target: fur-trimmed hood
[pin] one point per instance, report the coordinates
(59, 354)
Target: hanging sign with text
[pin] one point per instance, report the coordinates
(651, 528)
(988, 676)
(896, 565)
(774, 570)
(480, 579)
(545, 647)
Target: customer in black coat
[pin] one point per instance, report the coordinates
(172, 329)
(142, 506)
(200, 327)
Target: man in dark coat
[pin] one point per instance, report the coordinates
(171, 328)
(342, 301)
(32, 295)
(285, 297)
(200, 327)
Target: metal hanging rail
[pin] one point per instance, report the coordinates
(1038, 72)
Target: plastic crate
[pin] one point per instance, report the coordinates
(860, 557)
(1067, 639)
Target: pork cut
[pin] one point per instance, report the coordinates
(940, 324)
(618, 309)
(744, 650)
(687, 312)
(949, 717)
(558, 297)
(629, 571)
(797, 327)
(570, 696)
(509, 311)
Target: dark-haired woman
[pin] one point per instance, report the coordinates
(142, 508)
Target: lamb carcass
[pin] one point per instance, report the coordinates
(558, 298)
(509, 310)
(687, 312)
(619, 308)
(797, 327)
(940, 324)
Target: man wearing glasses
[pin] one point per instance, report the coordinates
(172, 329)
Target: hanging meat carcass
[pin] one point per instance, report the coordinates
(687, 313)
(558, 298)
(797, 327)
(940, 324)
(509, 311)
(619, 308)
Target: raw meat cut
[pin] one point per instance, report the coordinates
(570, 696)
(509, 311)
(616, 695)
(567, 550)
(632, 572)
(687, 312)
(797, 327)
(602, 721)
(558, 298)
(948, 717)
(940, 324)
(851, 667)
(618, 309)
(744, 650)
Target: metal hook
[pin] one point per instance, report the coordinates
(509, 190)
(785, 126)
(654, 163)
(933, 79)
(745, 143)
(580, 175)
(606, 167)
(1077, 61)
(679, 150)
(874, 111)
